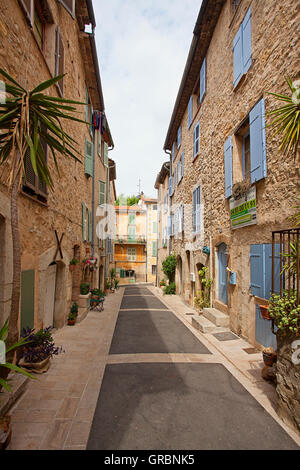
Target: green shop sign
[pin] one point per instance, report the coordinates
(243, 210)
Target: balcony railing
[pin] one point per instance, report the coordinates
(289, 261)
(134, 239)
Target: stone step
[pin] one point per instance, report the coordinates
(216, 317)
(203, 324)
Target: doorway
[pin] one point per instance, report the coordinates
(222, 273)
(50, 295)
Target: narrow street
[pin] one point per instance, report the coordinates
(163, 389)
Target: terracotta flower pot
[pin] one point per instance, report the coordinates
(269, 358)
(71, 322)
(264, 311)
(36, 367)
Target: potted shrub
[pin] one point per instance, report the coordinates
(116, 282)
(37, 355)
(73, 263)
(106, 285)
(5, 420)
(84, 288)
(72, 318)
(162, 283)
(170, 289)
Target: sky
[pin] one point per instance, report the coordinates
(142, 48)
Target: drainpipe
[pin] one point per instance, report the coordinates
(93, 194)
(168, 152)
(210, 223)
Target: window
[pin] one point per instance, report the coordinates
(88, 158)
(154, 207)
(131, 233)
(153, 269)
(166, 203)
(85, 222)
(154, 249)
(170, 186)
(261, 270)
(39, 26)
(132, 219)
(154, 227)
(31, 183)
(190, 111)
(178, 172)
(250, 143)
(242, 49)
(203, 80)
(99, 144)
(105, 154)
(131, 253)
(59, 60)
(173, 152)
(69, 6)
(102, 195)
(182, 164)
(197, 210)
(179, 137)
(196, 140)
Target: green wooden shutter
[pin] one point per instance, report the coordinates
(102, 191)
(105, 154)
(132, 219)
(83, 222)
(90, 225)
(27, 299)
(131, 234)
(154, 248)
(88, 160)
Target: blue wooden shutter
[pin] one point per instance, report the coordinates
(203, 80)
(268, 270)
(198, 210)
(179, 137)
(228, 166)
(190, 111)
(173, 152)
(257, 266)
(170, 186)
(182, 164)
(182, 217)
(258, 153)
(238, 57)
(247, 49)
(196, 139)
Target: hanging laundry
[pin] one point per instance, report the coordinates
(103, 124)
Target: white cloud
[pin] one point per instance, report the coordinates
(142, 49)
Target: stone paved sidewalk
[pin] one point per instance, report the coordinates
(56, 410)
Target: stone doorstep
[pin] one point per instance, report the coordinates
(206, 326)
(216, 317)
(18, 385)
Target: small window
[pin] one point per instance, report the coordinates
(154, 269)
(179, 137)
(31, 182)
(190, 111)
(88, 161)
(154, 207)
(154, 249)
(154, 227)
(197, 210)
(131, 253)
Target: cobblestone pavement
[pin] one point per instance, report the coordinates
(152, 368)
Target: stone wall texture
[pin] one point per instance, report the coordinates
(22, 58)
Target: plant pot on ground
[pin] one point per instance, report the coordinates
(269, 356)
(72, 319)
(36, 356)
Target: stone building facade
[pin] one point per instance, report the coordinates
(226, 169)
(40, 40)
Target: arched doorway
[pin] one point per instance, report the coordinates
(222, 273)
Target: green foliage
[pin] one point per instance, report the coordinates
(72, 316)
(74, 261)
(170, 289)
(74, 308)
(127, 200)
(291, 266)
(169, 266)
(84, 288)
(97, 292)
(162, 282)
(29, 117)
(8, 365)
(202, 300)
(117, 281)
(285, 313)
(287, 118)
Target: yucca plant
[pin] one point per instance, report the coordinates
(27, 118)
(287, 118)
(8, 365)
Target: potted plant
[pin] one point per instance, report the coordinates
(269, 356)
(37, 355)
(73, 263)
(72, 318)
(106, 285)
(264, 311)
(117, 281)
(84, 288)
(162, 283)
(5, 420)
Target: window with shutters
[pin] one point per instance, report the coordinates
(102, 195)
(88, 158)
(261, 270)
(154, 227)
(85, 224)
(197, 210)
(173, 152)
(154, 249)
(203, 80)
(32, 184)
(105, 150)
(179, 137)
(242, 49)
(99, 142)
(132, 219)
(196, 141)
(59, 60)
(190, 111)
(39, 25)
(245, 155)
(131, 253)
(69, 6)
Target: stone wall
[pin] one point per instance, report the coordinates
(275, 45)
(288, 383)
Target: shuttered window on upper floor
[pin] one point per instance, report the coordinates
(242, 50)
(69, 6)
(258, 152)
(179, 137)
(203, 80)
(59, 60)
(173, 152)
(197, 210)
(32, 184)
(196, 140)
(102, 195)
(190, 111)
(105, 154)
(88, 158)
